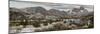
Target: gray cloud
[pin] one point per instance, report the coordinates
(23, 4)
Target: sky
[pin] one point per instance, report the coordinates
(46, 5)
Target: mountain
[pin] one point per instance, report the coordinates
(81, 11)
(16, 14)
(44, 12)
(56, 12)
(40, 12)
(33, 10)
(91, 13)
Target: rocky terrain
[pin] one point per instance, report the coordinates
(31, 12)
(38, 19)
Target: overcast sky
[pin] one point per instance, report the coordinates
(24, 4)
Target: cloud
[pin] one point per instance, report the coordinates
(23, 4)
